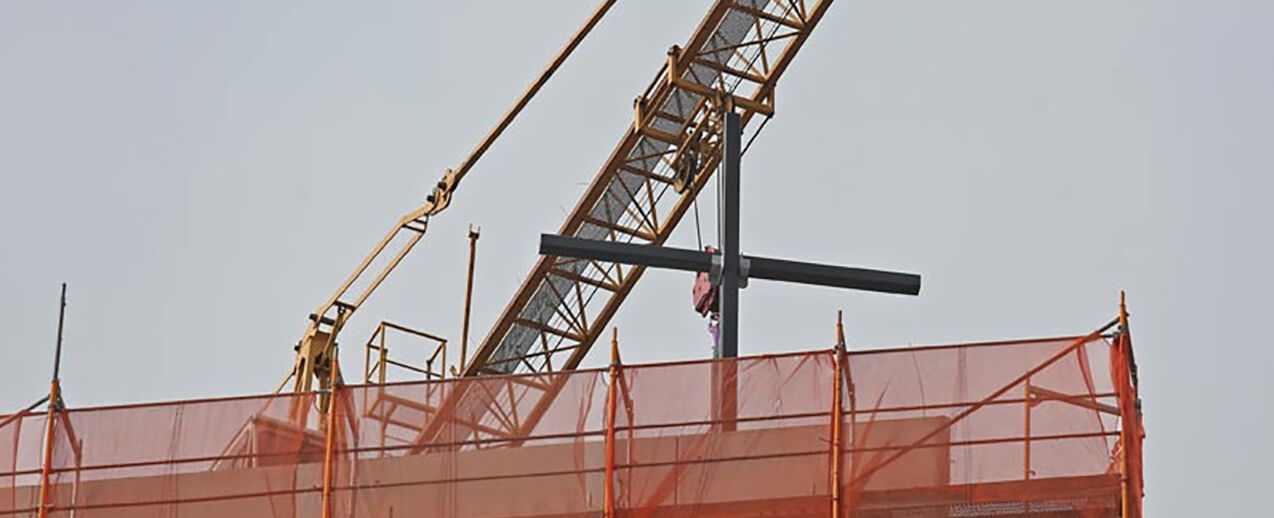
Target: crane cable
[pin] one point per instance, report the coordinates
(698, 231)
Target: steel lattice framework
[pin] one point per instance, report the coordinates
(732, 61)
(735, 56)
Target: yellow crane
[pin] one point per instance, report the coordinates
(316, 349)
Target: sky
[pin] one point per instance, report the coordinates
(204, 174)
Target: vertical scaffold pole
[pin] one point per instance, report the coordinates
(79, 465)
(333, 406)
(55, 405)
(612, 391)
(838, 415)
(1126, 421)
(47, 466)
(851, 390)
(1026, 430)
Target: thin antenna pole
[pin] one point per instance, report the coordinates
(57, 354)
(474, 232)
(840, 330)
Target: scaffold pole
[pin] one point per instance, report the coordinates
(1127, 422)
(838, 414)
(332, 407)
(55, 404)
(1026, 429)
(47, 464)
(611, 392)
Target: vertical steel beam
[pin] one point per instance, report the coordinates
(729, 230)
(725, 373)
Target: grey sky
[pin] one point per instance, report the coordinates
(205, 173)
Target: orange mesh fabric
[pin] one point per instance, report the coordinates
(491, 446)
(948, 428)
(21, 454)
(1028, 428)
(232, 455)
(685, 446)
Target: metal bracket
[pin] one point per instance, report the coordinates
(714, 273)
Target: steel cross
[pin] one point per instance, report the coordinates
(729, 268)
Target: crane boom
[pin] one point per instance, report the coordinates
(315, 351)
(735, 57)
(732, 61)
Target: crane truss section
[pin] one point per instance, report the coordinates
(733, 60)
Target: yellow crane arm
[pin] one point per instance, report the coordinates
(316, 349)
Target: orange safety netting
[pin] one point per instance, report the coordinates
(1032, 428)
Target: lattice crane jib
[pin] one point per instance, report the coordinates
(732, 60)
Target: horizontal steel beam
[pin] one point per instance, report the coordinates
(626, 253)
(835, 276)
(758, 267)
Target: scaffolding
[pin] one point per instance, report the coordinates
(1047, 427)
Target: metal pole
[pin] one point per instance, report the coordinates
(474, 232)
(47, 465)
(729, 230)
(855, 447)
(1126, 421)
(384, 357)
(75, 484)
(57, 354)
(55, 404)
(838, 414)
(1026, 427)
(848, 370)
(332, 407)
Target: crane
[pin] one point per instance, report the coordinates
(735, 57)
(732, 61)
(316, 350)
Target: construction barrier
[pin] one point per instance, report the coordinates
(1027, 428)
